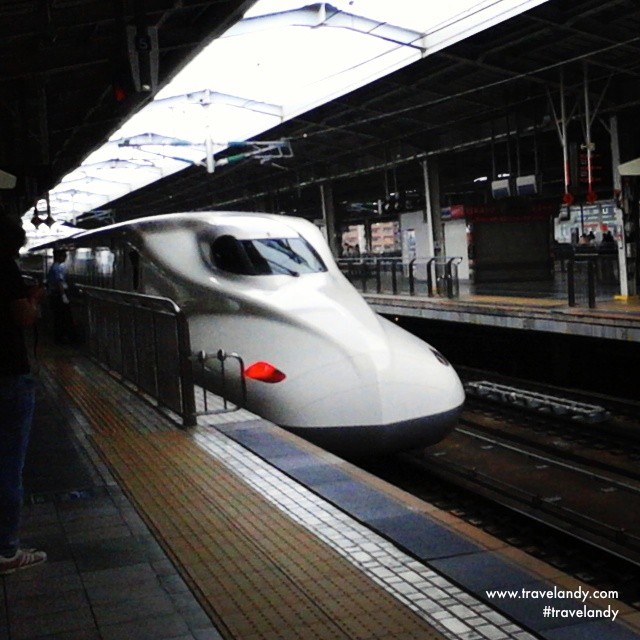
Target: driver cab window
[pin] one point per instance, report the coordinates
(227, 254)
(265, 256)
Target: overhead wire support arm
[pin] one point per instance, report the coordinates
(143, 139)
(561, 126)
(589, 118)
(589, 146)
(264, 150)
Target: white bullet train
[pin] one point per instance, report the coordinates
(319, 361)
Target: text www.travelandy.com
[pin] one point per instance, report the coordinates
(575, 607)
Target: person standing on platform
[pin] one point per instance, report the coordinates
(608, 258)
(63, 327)
(18, 310)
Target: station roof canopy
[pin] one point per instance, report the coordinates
(66, 80)
(296, 95)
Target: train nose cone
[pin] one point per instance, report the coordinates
(418, 381)
(400, 395)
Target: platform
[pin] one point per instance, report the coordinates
(537, 305)
(612, 318)
(236, 529)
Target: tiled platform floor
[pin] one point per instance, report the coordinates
(107, 578)
(234, 530)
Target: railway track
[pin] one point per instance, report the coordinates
(603, 449)
(566, 492)
(597, 506)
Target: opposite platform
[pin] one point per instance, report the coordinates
(611, 320)
(261, 535)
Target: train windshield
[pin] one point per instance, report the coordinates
(266, 256)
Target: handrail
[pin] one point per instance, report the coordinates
(402, 274)
(143, 300)
(143, 349)
(149, 347)
(451, 263)
(590, 261)
(201, 357)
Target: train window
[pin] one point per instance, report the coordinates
(134, 260)
(266, 256)
(104, 259)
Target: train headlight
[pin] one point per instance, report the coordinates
(264, 372)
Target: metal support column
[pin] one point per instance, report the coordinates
(432, 216)
(631, 222)
(329, 217)
(617, 189)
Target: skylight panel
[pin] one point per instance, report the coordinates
(284, 58)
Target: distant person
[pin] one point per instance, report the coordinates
(57, 290)
(18, 310)
(608, 241)
(608, 258)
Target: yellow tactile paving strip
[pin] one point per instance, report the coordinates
(257, 573)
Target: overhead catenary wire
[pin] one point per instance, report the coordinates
(460, 94)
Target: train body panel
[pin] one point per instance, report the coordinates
(267, 288)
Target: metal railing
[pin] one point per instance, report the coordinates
(145, 339)
(586, 272)
(221, 357)
(433, 276)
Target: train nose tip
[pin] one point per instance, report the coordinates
(374, 440)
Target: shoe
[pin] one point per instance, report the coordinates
(22, 559)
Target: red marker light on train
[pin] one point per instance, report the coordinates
(264, 372)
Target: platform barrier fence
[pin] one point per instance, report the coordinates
(144, 339)
(588, 273)
(436, 276)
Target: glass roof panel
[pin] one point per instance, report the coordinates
(282, 59)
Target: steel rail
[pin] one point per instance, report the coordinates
(547, 510)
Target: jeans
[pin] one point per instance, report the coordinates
(17, 400)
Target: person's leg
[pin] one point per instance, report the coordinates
(69, 325)
(57, 312)
(17, 397)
